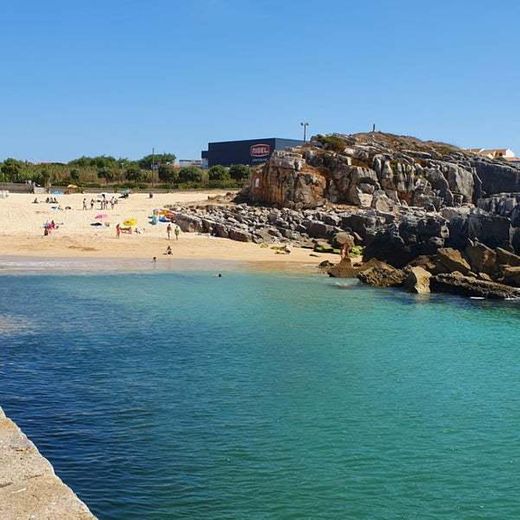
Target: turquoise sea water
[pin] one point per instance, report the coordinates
(256, 396)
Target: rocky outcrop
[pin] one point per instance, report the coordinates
(462, 239)
(380, 171)
(496, 176)
(386, 174)
(400, 242)
(456, 283)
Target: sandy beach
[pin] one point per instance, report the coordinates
(22, 223)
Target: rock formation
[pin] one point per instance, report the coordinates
(423, 209)
(379, 170)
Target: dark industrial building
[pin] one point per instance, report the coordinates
(251, 151)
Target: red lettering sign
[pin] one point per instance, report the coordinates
(260, 150)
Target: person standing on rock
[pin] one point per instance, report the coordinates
(347, 243)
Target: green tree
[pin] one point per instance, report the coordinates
(12, 169)
(239, 172)
(168, 173)
(191, 174)
(106, 173)
(44, 178)
(158, 159)
(74, 174)
(218, 173)
(133, 173)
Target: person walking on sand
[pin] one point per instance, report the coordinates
(169, 231)
(118, 231)
(84, 204)
(177, 231)
(91, 203)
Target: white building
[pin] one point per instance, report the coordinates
(199, 163)
(494, 153)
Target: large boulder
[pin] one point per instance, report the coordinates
(482, 259)
(455, 283)
(362, 223)
(512, 276)
(240, 235)
(344, 269)
(515, 239)
(417, 280)
(505, 257)
(189, 223)
(220, 230)
(380, 274)
(460, 180)
(320, 230)
(452, 260)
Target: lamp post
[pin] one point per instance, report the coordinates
(305, 125)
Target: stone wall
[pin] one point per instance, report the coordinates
(29, 488)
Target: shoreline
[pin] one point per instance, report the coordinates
(13, 265)
(78, 240)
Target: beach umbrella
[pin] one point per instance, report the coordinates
(131, 222)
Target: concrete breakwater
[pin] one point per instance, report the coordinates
(29, 488)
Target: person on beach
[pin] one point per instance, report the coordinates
(84, 204)
(168, 251)
(169, 231)
(177, 231)
(91, 203)
(154, 259)
(118, 230)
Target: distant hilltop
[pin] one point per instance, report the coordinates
(380, 170)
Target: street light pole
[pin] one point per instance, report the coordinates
(305, 125)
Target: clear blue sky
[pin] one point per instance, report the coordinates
(119, 77)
